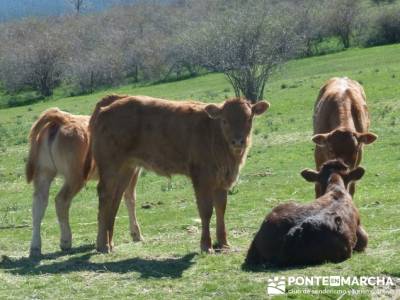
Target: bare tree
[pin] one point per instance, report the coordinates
(33, 58)
(310, 19)
(246, 40)
(78, 5)
(246, 43)
(342, 19)
(96, 55)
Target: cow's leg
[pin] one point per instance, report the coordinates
(205, 205)
(105, 189)
(41, 183)
(362, 239)
(130, 201)
(63, 203)
(123, 180)
(219, 200)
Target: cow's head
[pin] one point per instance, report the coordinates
(236, 117)
(333, 167)
(344, 144)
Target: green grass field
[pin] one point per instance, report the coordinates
(168, 264)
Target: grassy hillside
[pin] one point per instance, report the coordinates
(167, 264)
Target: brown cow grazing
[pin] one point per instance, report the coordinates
(207, 143)
(327, 229)
(341, 123)
(59, 142)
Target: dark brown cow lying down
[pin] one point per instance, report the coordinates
(341, 124)
(207, 143)
(327, 229)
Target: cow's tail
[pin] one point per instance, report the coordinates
(89, 161)
(51, 116)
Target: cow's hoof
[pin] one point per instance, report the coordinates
(65, 245)
(222, 248)
(35, 253)
(137, 238)
(103, 249)
(207, 250)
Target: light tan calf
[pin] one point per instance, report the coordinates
(59, 142)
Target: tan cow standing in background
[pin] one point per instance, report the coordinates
(341, 124)
(59, 142)
(207, 143)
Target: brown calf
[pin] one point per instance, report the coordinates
(207, 143)
(59, 142)
(326, 230)
(341, 123)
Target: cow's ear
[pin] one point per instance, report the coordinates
(213, 111)
(259, 108)
(366, 138)
(320, 139)
(355, 174)
(310, 175)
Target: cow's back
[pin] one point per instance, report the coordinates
(164, 136)
(327, 233)
(315, 240)
(59, 142)
(341, 103)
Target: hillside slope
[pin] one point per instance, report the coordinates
(167, 263)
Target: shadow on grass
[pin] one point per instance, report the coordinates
(14, 227)
(270, 268)
(148, 268)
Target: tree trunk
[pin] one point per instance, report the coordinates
(43, 87)
(136, 73)
(251, 95)
(346, 40)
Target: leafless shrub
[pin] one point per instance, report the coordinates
(311, 23)
(384, 26)
(149, 41)
(246, 42)
(342, 19)
(32, 57)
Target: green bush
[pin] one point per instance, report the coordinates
(385, 27)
